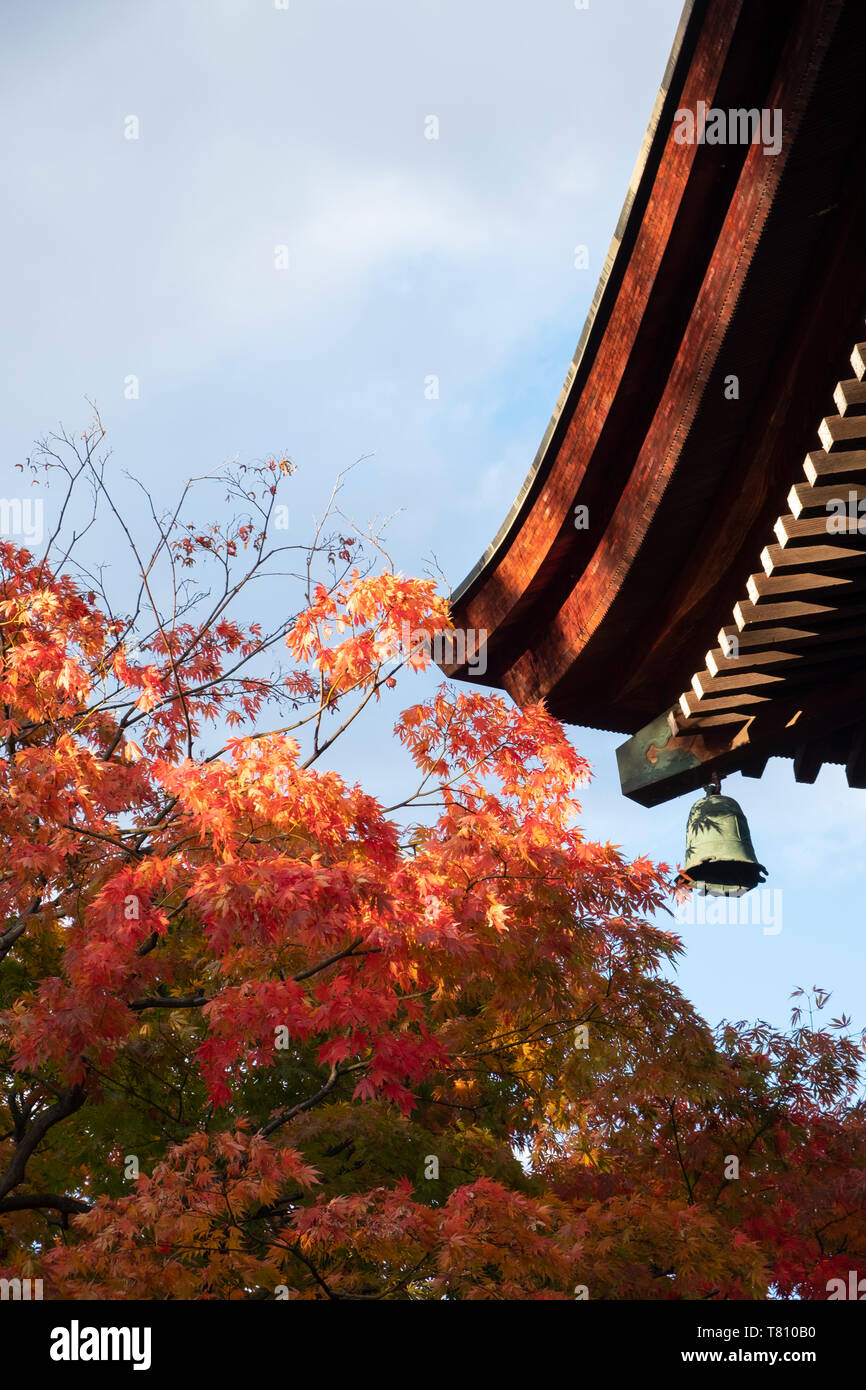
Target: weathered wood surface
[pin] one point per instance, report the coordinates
(797, 643)
(728, 266)
(726, 261)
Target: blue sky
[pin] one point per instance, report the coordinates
(408, 257)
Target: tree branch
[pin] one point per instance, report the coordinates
(185, 1001)
(35, 1132)
(27, 1201)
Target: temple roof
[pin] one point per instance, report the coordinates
(731, 298)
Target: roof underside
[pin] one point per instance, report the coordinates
(728, 262)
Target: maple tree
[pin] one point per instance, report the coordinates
(262, 1037)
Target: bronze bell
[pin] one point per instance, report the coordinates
(720, 857)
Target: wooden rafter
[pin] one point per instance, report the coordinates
(801, 629)
(727, 266)
(799, 625)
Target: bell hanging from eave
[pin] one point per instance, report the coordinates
(720, 856)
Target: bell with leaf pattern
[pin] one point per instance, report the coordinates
(720, 857)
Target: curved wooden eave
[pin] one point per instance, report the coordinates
(628, 223)
(730, 260)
